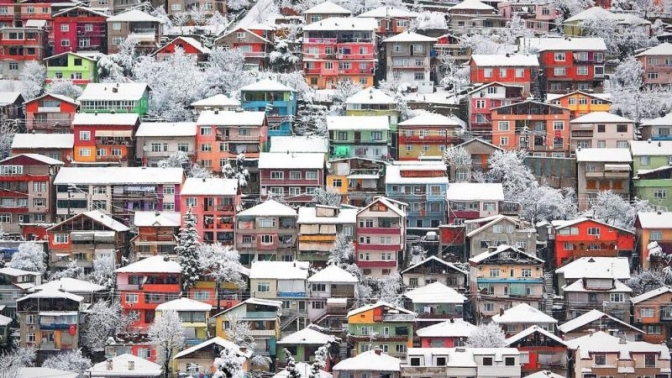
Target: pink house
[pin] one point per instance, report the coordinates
(213, 201)
(486, 97)
(539, 17)
(657, 64)
(449, 334)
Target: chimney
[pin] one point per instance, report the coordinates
(131, 365)
(110, 365)
(115, 89)
(377, 351)
(166, 258)
(501, 311)
(622, 340)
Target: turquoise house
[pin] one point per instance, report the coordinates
(363, 137)
(277, 100)
(423, 187)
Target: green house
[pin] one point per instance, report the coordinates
(115, 98)
(364, 136)
(302, 345)
(652, 172)
(383, 326)
(81, 69)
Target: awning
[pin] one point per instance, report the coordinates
(81, 235)
(58, 313)
(114, 133)
(617, 167)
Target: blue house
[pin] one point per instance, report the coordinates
(423, 186)
(277, 100)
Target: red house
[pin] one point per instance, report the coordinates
(6, 13)
(255, 43)
(19, 45)
(545, 351)
(590, 238)
(449, 334)
(190, 46)
(55, 146)
(50, 113)
(105, 137)
(292, 176)
(486, 97)
(505, 69)
(80, 28)
(145, 284)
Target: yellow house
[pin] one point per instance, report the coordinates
(428, 135)
(373, 102)
(357, 179)
(653, 227)
(199, 358)
(194, 316)
(581, 103)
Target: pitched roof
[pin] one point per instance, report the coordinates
(308, 215)
(393, 174)
(390, 203)
(559, 224)
(662, 49)
(293, 160)
(370, 96)
(112, 119)
(479, 140)
(306, 336)
(596, 267)
(99, 217)
(217, 100)
(409, 36)
(37, 157)
(533, 329)
(472, 5)
(384, 12)
(299, 143)
(214, 341)
(371, 306)
(215, 186)
(157, 218)
(327, 7)
(665, 120)
(508, 60)
(593, 12)
(43, 141)
(256, 301)
(449, 328)
(563, 44)
(430, 119)
(191, 41)
(118, 175)
(600, 117)
(304, 370)
(230, 118)
(43, 372)
(650, 148)
(523, 313)
(56, 96)
(650, 294)
(502, 248)
(616, 155)
(578, 287)
(436, 292)
(603, 342)
(166, 129)
(9, 97)
(333, 274)
(152, 264)
(600, 96)
(279, 270)
(654, 219)
(142, 367)
(544, 374)
(105, 92)
(434, 258)
(184, 304)
(17, 272)
(588, 318)
(369, 360)
(470, 191)
(358, 123)
(269, 208)
(52, 293)
(267, 85)
(133, 15)
(70, 285)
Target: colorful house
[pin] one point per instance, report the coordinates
(602, 169)
(190, 47)
(356, 179)
(653, 227)
(105, 137)
(325, 10)
(391, 21)
(470, 15)
(408, 60)
(145, 284)
(373, 102)
(581, 103)
(214, 202)
(277, 100)
(15, 283)
(319, 226)
(255, 42)
(657, 128)
(283, 281)
(364, 137)
(115, 98)
(266, 232)
(19, 45)
(392, 326)
(368, 363)
(199, 358)
(522, 316)
(331, 291)
(263, 317)
(135, 24)
(89, 291)
(11, 105)
(451, 45)
(157, 141)
(617, 268)
(609, 295)
(50, 113)
(652, 175)
(466, 200)
(657, 64)
(435, 301)
(428, 135)
(479, 151)
(295, 177)
(595, 320)
(79, 69)
(156, 233)
(544, 350)
(80, 28)
(194, 316)
(601, 130)
(489, 232)
(339, 48)
(380, 237)
(303, 344)
(585, 237)
(519, 70)
(486, 97)
(433, 269)
(448, 334)
(219, 102)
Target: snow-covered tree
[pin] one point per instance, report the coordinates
(71, 271)
(226, 73)
(30, 257)
(239, 332)
(311, 119)
(229, 364)
(481, 44)
(418, 254)
(72, 361)
(282, 58)
(429, 21)
(459, 159)
(103, 321)
(629, 73)
(8, 128)
(342, 251)
(645, 280)
(118, 68)
(568, 8)
(160, 13)
(12, 361)
(32, 78)
(236, 5)
(343, 90)
(167, 335)
(222, 264)
(180, 19)
(327, 196)
(187, 252)
(508, 167)
(103, 271)
(217, 19)
(320, 361)
(198, 14)
(177, 159)
(291, 369)
(487, 336)
(390, 289)
(516, 29)
(238, 172)
(621, 42)
(65, 88)
(612, 209)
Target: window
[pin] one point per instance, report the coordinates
(39, 202)
(622, 144)
(504, 141)
(30, 319)
(277, 175)
(116, 26)
(617, 297)
(131, 298)
(206, 130)
(487, 72)
(527, 273)
(184, 147)
(263, 287)
(502, 72)
(559, 71)
(509, 361)
(494, 272)
(644, 160)
(13, 66)
(503, 125)
(295, 175)
(88, 27)
(520, 72)
(558, 125)
(600, 359)
(654, 330)
(582, 70)
(646, 312)
(61, 238)
(655, 235)
(377, 135)
(311, 175)
(660, 193)
(419, 76)
(594, 231)
(84, 135)
(487, 361)
(559, 57)
(652, 75)
(621, 128)
(649, 360)
(266, 239)
(65, 28)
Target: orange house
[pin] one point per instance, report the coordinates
(590, 238)
(505, 69)
(50, 113)
(105, 137)
(653, 314)
(581, 103)
(539, 128)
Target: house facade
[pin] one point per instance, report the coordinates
(486, 97)
(319, 227)
(463, 362)
(156, 233)
(467, 200)
(50, 114)
(331, 291)
(543, 349)
(14, 284)
(189, 46)
(283, 281)
(80, 29)
(295, 177)
(657, 64)
(489, 232)
(115, 98)
(427, 136)
(277, 100)
(606, 294)
(590, 238)
(263, 317)
(601, 130)
(194, 316)
(433, 269)
(214, 202)
(380, 237)
(519, 70)
(105, 137)
(156, 141)
(356, 179)
(20, 45)
(650, 171)
(77, 68)
(408, 60)
(393, 327)
(365, 137)
(581, 103)
(266, 232)
(136, 24)
(423, 188)
(602, 169)
(653, 227)
(256, 43)
(653, 313)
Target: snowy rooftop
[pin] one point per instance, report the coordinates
(369, 360)
(605, 343)
(213, 186)
(662, 49)
(463, 357)
(133, 16)
(389, 203)
(333, 274)
(652, 219)
(120, 367)
(184, 304)
(650, 294)
(433, 258)
(280, 270)
(615, 155)
(104, 92)
(337, 123)
(393, 175)
(530, 330)
(579, 287)
(292, 160)
(216, 100)
(308, 215)
(343, 24)
(502, 248)
(46, 141)
(469, 191)
(327, 7)
(269, 208)
(593, 12)
(563, 44)
(560, 224)
(473, 5)
(588, 318)
(56, 96)
(370, 96)
(157, 218)
(666, 120)
(555, 96)
(39, 157)
(215, 340)
(409, 36)
(304, 370)
(17, 272)
(9, 97)
(651, 148)
(523, 313)
(153, 264)
(267, 85)
(298, 143)
(71, 285)
(436, 292)
(371, 306)
(231, 118)
(487, 222)
(430, 119)
(43, 372)
(112, 119)
(102, 218)
(449, 328)
(596, 267)
(384, 12)
(118, 175)
(166, 129)
(601, 117)
(306, 336)
(52, 293)
(508, 60)
(193, 42)
(544, 374)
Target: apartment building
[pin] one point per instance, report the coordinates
(319, 227)
(391, 21)
(428, 135)
(489, 232)
(486, 97)
(462, 362)
(423, 188)
(105, 138)
(510, 69)
(331, 291)
(651, 171)
(602, 169)
(652, 312)
(585, 237)
(255, 42)
(295, 177)
(601, 130)
(19, 45)
(14, 284)
(364, 136)
(433, 269)
(115, 98)
(393, 327)
(156, 141)
(156, 233)
(266, 232)
(380, 236)
(80, 28)
(263, 317)
(581, 103)
(283, 281)
(50, 113)
(214, 202)
(276, 99)
(135, 24)
(657, 64)
(356, 179)
(323, 11)
(408, 60)
(466, 200)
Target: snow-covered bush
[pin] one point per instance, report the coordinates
(32, 77)
(167, 335)
(187, 252)
(30, 257)
(487, 336)
(327, 196)
(71, 361)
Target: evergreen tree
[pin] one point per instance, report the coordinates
(291, 366)
(320, 361)
(187, 252)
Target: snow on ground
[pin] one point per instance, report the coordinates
(259, 13)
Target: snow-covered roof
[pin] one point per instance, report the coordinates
(436, 292)
(593, 12)
(120, 367)
(661, 50)
(393, 175)
(327, 7)
(152, 264)
(217, 100)
(544, 374)
(651, 148)
(370, 96)
(462, 357)
(269, 208)
(560, 224)
(17, 272)
(71, 285)
(508, 60)
(46, 141)
(502, 248)
(267, 85)
(38, 157)
(230, 118)
(166, 129)
(52, 293)
(430, 119)
(449, 328)
(371, 306)
(304, 370)
(601, 117)
(184, 304)
(292, 160)
(371, 360)
(343, 24)
(523, 313)
(118, 175)
(306, 336)
(56, 96)
(530, 330)
(217, 341)
(665, 120)
(472, 5)
(157, 218)
(193, 42)
(9, 97)
(409, 36)
(601, 96)
(650, 294)
(470, 191)
(603, 342)
(99, 217)
(337, 123)
(104, 92)
(563, 44)
(214, 186)
(578, 287)
(588, 318)
(308, 215)
(109, 119)
(385, 12)
(333, 274)
(279, 270)
(487, 222)
(133, 15)
(299, 143)
(596, 267)
(430, 258)
(662, 220)
(389, 203)
(616, 155)
(43, 372)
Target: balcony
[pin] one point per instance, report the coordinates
(288, 294)
(262, 332)
(50, 109)
(376, 264)
(261, 315)
(380, 230)
(425, 138)
(255, 54)
(582, 133)
(225, 136)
